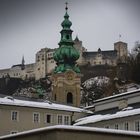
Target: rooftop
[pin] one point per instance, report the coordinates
(8, 100)
(127, 112)
(73, 128)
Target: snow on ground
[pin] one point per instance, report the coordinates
(99, 80)
(97, 118)
(11, 101)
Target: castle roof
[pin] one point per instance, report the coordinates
(105, 54)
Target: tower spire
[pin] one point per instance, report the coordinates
(66, 8)
(23, 63)
(66, 55)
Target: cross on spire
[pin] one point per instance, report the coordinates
(66, 6)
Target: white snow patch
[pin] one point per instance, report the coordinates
(99, 80)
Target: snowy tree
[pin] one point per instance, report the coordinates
(93, 89)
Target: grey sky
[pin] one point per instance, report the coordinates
(26, 26)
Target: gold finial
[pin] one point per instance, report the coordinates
(66, 6)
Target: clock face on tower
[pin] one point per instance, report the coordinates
(70, 75)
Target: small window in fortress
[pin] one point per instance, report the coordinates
(42, 57)
(38, 58)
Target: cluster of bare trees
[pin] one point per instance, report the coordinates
(134, 63)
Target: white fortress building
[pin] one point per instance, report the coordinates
(45, 64)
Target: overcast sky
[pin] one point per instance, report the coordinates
(26, 26)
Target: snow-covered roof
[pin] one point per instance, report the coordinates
(113, 97)
(118, 95)
(74, 128)
(48, 105)
(98, 118)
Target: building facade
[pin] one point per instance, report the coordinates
(120, 111)
(73, 133)
(20, 115)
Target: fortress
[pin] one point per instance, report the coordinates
(45, 64)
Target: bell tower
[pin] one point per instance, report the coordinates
(66, 78)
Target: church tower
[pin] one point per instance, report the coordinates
(66, 78)
(22, 63)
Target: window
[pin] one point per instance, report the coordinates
(36, 117)
(107, 126)
(137, 126)
(38, 58)
(48, 118)
(60, 119)
(55, 97)
(126, 126)
(14, 132)
(116, 126)
(67, 36)
(69, 98)
(66, 120)
(14, 116)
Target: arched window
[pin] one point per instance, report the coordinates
(67, 37)
(69, 98)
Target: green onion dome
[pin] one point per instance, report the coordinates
(67, 54)
(66, 23)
